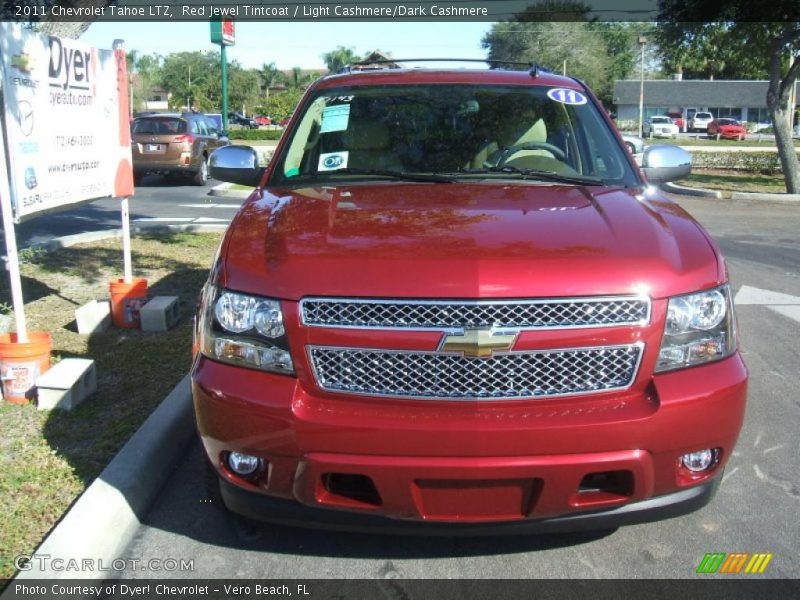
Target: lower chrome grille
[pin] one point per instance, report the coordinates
(515, 375)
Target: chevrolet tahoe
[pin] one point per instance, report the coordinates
(454, 303)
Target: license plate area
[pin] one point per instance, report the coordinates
(153, 148)
(476, 500)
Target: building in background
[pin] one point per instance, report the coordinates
(742, 100)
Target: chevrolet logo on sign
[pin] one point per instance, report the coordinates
(23, 62)
(478, 343)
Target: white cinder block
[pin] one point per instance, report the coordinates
(67, 384)
(160, 314)
(93, 317)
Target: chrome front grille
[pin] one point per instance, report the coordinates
(458, 314)
(514, 375)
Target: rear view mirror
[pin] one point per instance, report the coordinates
(664, 163)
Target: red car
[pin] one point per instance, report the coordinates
(454, 302)
(729, 129)
(678, 119)
(263, 120)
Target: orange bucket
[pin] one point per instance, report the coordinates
(127, 300)
(22, 364)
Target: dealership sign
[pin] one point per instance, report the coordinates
(223, 32)
(67, 129)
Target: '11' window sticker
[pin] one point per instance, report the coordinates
(566, 96)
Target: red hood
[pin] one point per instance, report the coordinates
(465, 241)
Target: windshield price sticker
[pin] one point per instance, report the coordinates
(335, 118)
(566, 96)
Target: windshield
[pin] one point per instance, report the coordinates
(458, 131)
(666, 120)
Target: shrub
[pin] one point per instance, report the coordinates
(767, 163)
(255, 134)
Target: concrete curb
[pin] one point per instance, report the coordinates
(689, 191)
(102, 522)
(225, 190)
(765, 196)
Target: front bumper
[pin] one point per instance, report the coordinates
(481, 465)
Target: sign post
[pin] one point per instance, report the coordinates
(12, 257)
(223, 33)
(122, 79)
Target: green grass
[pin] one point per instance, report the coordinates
(752, 140)
(728, 182)
(48, 458)
(266, 143)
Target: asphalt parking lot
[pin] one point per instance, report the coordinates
(754, 511)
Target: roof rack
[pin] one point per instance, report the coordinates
(365, 65)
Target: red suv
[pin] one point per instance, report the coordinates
(454, 302)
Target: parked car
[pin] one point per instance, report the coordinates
(634, 143)
(700, 121)
(678, 119)
(759, 126)
(285, 121)
(263, 120)
(216, 118)
(235, 118)
(730, 129)
(174, 144)
(660, 126)
(479, 316)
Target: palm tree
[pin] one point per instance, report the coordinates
(339, 58)
(270, 77)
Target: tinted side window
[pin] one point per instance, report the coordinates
(201, 126)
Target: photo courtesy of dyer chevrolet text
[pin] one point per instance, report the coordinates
(160, 589)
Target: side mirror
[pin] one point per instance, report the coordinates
(664, 163)
(235, 164)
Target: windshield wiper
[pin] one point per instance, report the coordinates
(537, 174)
(400, 175)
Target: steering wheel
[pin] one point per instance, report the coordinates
(557, 152)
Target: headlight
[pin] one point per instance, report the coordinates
(700, 328)
(244, 330)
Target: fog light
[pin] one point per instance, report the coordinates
(243, 464)
(698, 461)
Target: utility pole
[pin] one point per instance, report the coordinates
(189, 93)
(642, 43)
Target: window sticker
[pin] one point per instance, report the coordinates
(332, 161)
(335, 118)
(566, 96)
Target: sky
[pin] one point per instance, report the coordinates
(290, 44)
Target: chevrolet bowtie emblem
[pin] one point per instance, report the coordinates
(23, 62)
(478, 343)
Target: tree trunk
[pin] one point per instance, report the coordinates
(778, 105)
